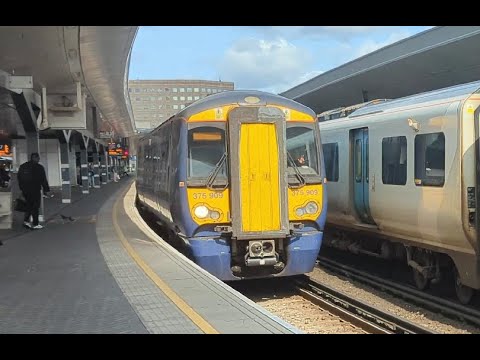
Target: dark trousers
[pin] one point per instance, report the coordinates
(33, 206)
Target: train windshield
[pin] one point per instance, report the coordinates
(206, 147)
(302, 151)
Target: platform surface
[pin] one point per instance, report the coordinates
(108, 272)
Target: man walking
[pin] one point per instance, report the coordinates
(31, 179)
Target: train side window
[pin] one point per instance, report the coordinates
(394, 160)
(430, 159)
(330, 156)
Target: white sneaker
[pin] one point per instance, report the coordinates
(37, 227)
(27, 224)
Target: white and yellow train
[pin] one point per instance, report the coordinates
(408, 170)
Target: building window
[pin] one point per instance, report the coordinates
(182, 98)
(182, 89)
(167, 89)
(138, 99)
(159, 90)
(175, 98)
(130, 90)
(330, 155)
(159, 98)
(175, 107)
(430, 159)
(189, 90)
(196, 90)
(196, 98)
(167, 98)
(203, 90)
(152, 98)
(153, 107)
(137, 90)
(174, 89)
(160, 106)
(182, 106)
(394, 160)
(189, 98)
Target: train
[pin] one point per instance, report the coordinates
(403, 184)
(239, 178)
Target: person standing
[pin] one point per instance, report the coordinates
(31, 179)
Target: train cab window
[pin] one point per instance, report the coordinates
(302, 151)
(394, 160)
(430, 159)
(206, 146)
(330, 156)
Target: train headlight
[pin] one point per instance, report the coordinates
(311, 207)
(201, 212)
(299, 212)
(215, 215)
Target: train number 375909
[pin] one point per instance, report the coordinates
(304, 192)
(212, 195)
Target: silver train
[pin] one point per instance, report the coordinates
(408, 171)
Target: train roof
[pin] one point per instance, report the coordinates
(351, 108)
(452, 93)
(238, 97)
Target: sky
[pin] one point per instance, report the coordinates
(268, 58)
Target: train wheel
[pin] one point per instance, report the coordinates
(464, 293)
(420, 280)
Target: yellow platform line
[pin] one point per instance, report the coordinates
(167, 290)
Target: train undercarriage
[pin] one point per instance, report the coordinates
(427, 266)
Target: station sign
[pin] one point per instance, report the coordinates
(115, 149)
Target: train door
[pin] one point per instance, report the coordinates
(258, 172)
(361, 174)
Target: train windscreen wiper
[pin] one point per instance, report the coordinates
(300, 177)
(213, 174)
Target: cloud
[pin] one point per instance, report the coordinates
(262, 64)
(277, 62)
(371, 45)
(300, 80)
(342, 33)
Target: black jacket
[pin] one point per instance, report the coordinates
(32, 177)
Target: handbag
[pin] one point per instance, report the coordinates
(20, 205)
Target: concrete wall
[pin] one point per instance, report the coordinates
(73, 168)
(19, 149)
(50, 159)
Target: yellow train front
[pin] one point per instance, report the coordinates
(239, 177)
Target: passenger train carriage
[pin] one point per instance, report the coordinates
(239, 177)
(408, 170)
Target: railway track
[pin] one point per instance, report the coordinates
(446, 307)
(358, 313)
